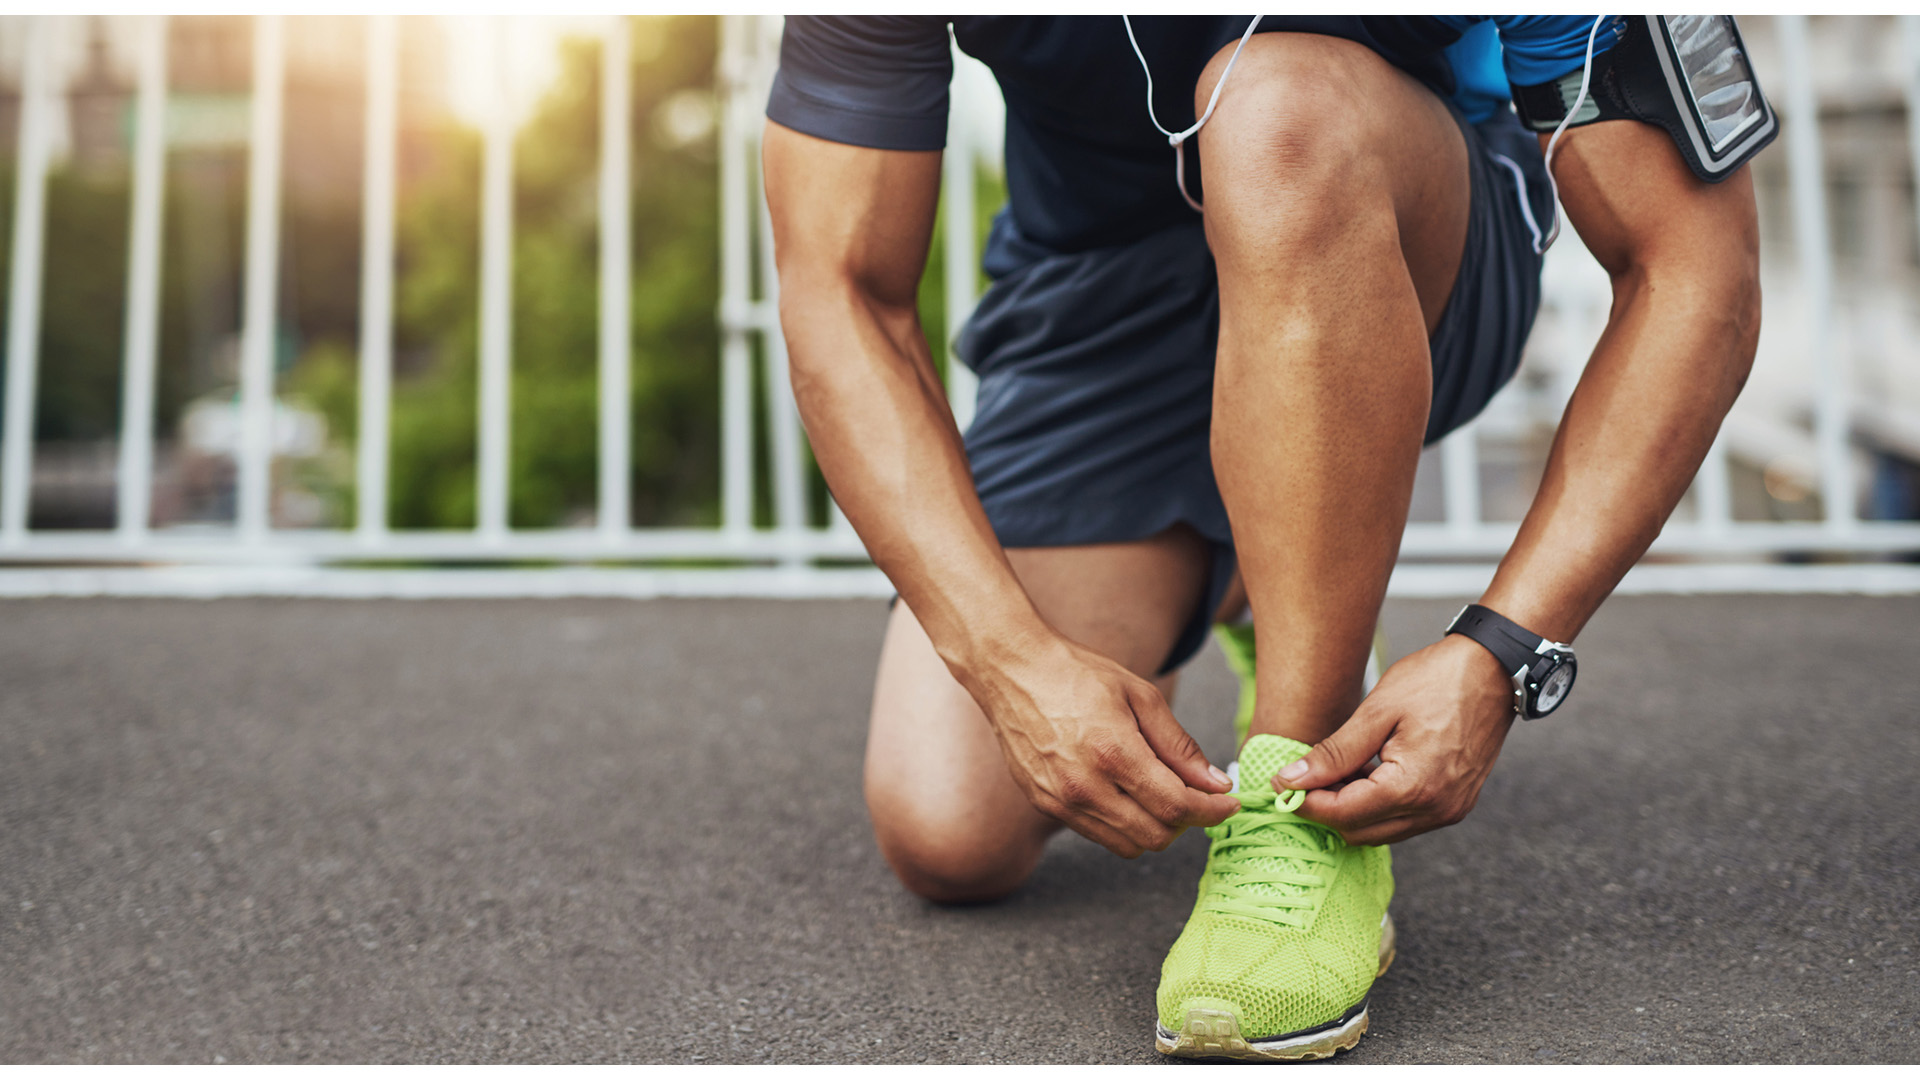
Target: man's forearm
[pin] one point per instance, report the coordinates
(885, 439)
(1667, 368)
(1089, 742)
(1674, 355)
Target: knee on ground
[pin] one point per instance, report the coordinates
(941, 854)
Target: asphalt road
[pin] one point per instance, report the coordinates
(590, 831)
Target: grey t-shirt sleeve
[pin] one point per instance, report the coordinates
(868, 80)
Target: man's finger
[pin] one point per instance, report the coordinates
(1389, 832)
(1171, 743)
(1085, 821)
(1342, 754)
(1354, 806)
(1121, 812)
(1148, 782)
(1207, 809)
(1178, 806)
(1121, 817)
(1103, 835)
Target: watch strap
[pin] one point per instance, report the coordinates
(1515, 646)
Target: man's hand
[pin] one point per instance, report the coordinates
(1684, 259)
(1090, 743)
(1094, 745)
(1437, 720)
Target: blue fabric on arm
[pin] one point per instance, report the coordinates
(1480, 83)
(873, 81)
(1542, 48)
(1537, 49)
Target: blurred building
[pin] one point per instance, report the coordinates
(210, 80)
(1861, 67)
(208, 118)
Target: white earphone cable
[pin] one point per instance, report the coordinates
(1177, 139)
(1541, 244)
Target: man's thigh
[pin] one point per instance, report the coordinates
(935, 777)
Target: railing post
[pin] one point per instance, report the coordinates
(784, 433)
(1831, 367)
(1910, 35)
(783, 415)
(616, 283)
(736, 403)
(1712, 491)
(134, 497)
(961, 265)
(1460, 480)
(260, 309)
(496, 292)
(376, 276)
(23, 286)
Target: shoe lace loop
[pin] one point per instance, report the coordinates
(1264, 863)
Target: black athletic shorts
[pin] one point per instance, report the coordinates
(1096, 372)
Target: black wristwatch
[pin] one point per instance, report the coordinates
(1542, 670)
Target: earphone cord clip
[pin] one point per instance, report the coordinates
(1177, 139)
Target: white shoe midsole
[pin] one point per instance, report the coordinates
(1317, 1036)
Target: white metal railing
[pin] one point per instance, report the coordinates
(376, 280)
(779, 559)
(23, 286)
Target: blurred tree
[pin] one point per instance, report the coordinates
(553, 458)
(556, 304)
(83, 291)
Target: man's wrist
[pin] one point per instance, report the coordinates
(1478, 659)
(984, 644)
(1485, 680)
(1541, 671)
(1540, 615)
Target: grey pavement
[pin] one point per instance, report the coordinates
(602, 830)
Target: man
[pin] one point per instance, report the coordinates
(1170, 394)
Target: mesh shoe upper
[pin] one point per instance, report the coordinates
(1286, 929)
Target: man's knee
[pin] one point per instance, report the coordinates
(1295, 117)
(1321, 149)
(939, 854)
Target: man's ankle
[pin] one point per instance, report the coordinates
(1304, 728)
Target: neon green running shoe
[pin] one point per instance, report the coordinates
(1236, 641)
(1287, 937)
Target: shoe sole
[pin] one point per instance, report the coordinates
(1216, 1033)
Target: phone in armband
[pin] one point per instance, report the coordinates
(1687, 74)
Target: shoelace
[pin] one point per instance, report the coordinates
(1266, 829)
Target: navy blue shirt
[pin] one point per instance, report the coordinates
(1085, 166)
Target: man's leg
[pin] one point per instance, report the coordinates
(1337, 199)
(946, 812)
(1337, 196)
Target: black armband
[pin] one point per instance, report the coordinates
(1687, 74)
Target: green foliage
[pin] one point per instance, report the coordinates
(555, 339)
(83, 310)
(675, 375)
(989, 195)
(83, 303)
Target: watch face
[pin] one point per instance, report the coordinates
(1553, 689)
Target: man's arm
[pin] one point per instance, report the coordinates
(1684, 259)
(1091, 744)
